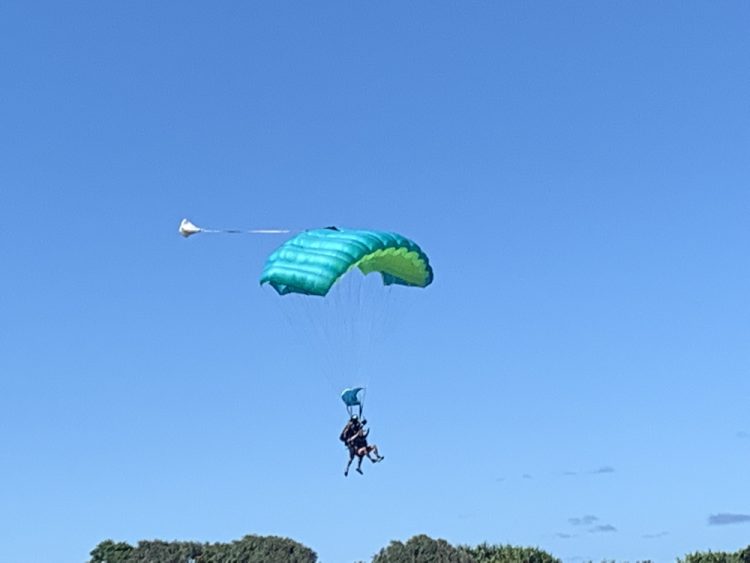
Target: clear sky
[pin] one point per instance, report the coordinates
(576, 378)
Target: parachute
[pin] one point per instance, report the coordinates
(313, 261)
(323, 267)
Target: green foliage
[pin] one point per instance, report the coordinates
(250, 549)
(274, 549)
(615, 561)
(485, 553)
(259, 549)
(110, 552)
(742, 556)
(146, 552)
(422, 549)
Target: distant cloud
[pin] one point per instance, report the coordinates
(586, 520)
(724, 518)
(656, 535)
(590, 521)
(743, 435)
(603, 528)
(601, 470)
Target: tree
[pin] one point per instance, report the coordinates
(110, 552)
(157, 551)
(742, 556)
(250, 549)
(422, 549)
(485, 553)
(260, 549)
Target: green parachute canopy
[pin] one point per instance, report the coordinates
(311, 262)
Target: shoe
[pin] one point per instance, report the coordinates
(359, 471)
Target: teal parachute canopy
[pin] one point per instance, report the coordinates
(349, 396)
(311, 262)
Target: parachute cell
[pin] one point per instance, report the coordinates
(311, 262)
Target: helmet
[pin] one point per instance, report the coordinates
(355, 417)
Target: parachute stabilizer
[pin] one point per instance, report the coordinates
(351, 399)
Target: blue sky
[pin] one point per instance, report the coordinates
(576, 377)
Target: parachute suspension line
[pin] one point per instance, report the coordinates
(355, 335)
(362, 328)
(367, 316)
(362, 401)
(338, 252)
(321, 333)
(343, 306)
(290, 306)
(373, 319)
(350, 410)
(345, 303)
(351, 399)
(335, 328)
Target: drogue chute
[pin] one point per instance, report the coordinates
(351, 399)
(188, 229)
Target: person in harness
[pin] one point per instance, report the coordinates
(354, 436)
(353, 426)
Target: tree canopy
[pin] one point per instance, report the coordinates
(274, 549)
(249, 549)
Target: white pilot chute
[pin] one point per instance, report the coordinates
(188, 228)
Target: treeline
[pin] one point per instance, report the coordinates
(250, 549)
(272, 549)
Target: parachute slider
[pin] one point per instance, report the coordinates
(187, 229)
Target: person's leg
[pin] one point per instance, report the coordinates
(348, 465)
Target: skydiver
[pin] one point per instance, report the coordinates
(354, 435)
(353, 426)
